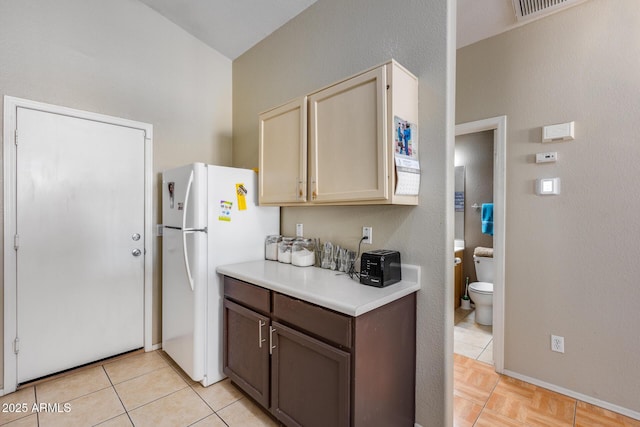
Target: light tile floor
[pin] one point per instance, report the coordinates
(144, 389)
(471, 339)
(148, 389)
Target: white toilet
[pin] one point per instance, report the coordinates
(481, 292)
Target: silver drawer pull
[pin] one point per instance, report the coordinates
(260, 339)
(271, 346)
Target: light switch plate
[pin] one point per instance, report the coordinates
(547, 186)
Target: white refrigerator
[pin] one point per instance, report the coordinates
(210, 217)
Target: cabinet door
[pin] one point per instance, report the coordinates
(246, 350)
(347, 140)
(310, 380)
(283, 154)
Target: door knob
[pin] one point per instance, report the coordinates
(136, 252)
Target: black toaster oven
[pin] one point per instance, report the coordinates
(380, 268)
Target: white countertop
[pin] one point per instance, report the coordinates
(326, 288)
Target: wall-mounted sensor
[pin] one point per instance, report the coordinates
(559, 132)
(551, 156)
(547, 186)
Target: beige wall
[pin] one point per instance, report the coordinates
(123, 59)
(335, 39)
(571, 260)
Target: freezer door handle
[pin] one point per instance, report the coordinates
(186, 201)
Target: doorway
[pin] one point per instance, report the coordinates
(77, 238)
(499, 127)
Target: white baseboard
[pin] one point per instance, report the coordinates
(583, 397)
(156, 347)
(2, 392)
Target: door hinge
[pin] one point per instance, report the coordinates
(16, 242)
(15, 139)
(16, 345)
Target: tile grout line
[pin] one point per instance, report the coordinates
(118, 396)
(484, 406)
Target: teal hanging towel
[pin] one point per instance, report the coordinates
(487, 218)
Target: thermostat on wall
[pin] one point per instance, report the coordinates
(547, 186)
(559, 132)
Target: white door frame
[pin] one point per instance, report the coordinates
(11, 105)
(499, 126)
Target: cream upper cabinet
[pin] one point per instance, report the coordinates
(283, 154)
(351, 142)
(347, 156)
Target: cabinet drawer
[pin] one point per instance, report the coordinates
(315, 320)
(248, 295)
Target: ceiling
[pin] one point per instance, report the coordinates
(234, 26)
(229, 26)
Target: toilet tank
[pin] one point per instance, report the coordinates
(484, 268)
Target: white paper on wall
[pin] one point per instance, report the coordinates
(408, 173)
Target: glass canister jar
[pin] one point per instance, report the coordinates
(284, 250)
(303, 252)
(271, 247)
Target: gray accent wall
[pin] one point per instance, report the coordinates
(571, 260)
(335, 39)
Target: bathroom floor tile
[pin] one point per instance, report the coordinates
(487, 354)
(469, 336)
(471, 339)
(467, 350)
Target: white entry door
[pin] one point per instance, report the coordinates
(80, 218)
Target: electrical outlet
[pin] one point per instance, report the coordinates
(368, 233)
(557, 343)
(299, 230)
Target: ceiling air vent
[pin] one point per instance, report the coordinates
(532, 9)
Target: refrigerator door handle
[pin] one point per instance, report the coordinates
(184, 231)
(186, 257)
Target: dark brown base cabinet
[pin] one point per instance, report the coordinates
(310, 366)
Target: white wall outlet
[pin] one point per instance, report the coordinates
(159, 229)
(367, 232)
(557, 343)
(299, 230)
